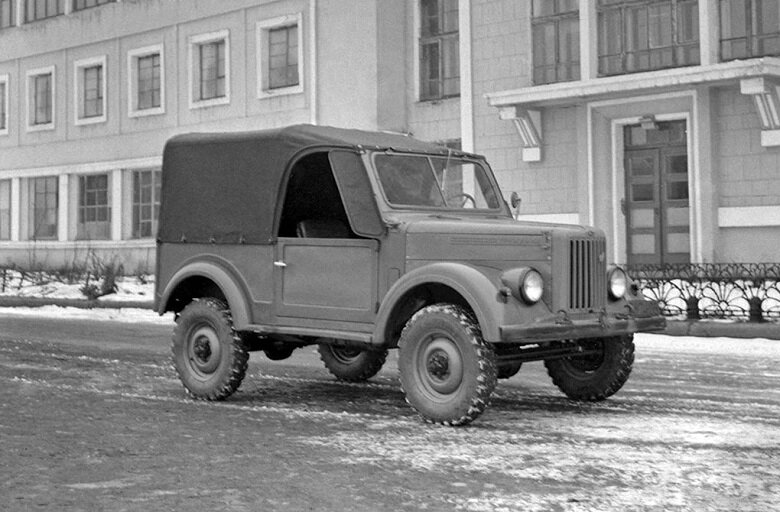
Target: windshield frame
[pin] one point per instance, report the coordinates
(454, 156)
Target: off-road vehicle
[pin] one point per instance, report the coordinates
(360, 242)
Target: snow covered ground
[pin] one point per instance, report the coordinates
(129, 288)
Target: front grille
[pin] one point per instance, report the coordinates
(587, 274)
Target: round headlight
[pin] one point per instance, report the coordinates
(532, 286)
(618, 282)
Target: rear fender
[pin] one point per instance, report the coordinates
(221, 274)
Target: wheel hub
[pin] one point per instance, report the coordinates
(439, 365)
(202, 348)
(204, 351)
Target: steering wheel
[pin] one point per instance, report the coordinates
(465, 199)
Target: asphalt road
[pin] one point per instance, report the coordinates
(92, 417)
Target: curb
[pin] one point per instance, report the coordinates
(36, 302)
(710, 329)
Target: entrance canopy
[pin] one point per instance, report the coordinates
(224, 187)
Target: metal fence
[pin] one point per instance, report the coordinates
(740, 291)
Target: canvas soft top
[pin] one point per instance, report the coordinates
(223, 187)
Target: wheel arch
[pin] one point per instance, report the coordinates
(206, 278)
(453, 283)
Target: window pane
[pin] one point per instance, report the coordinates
(439, 49)
(677, 190)
(642, 192)
(7, 13)
(768, 16)
(3, 122)
(43, 208)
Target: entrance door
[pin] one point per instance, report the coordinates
(656, 197)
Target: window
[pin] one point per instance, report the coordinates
(42, 9)
(145, 72)
(283, 57)
(7, 13)
(5, 209)
(78, 5)
(146, 202)
(40, 99)
(4, 104)
(280, 56)
(210, 69)
(556, 40)
(42, 223)
(749, 28)
(642, 35)
(439, 53)
(94, 212)
(90, 90)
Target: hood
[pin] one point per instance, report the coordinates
(486, 240)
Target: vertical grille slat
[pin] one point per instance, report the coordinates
(587, 279)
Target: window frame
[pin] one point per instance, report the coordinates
(11, 22)
(5, 104)
(98, 3)
(751, 37)
(556, 20)
(7, 226)
(59, 11)
(195, 43)
(438, 38)
(136, 205)
(31, 207)
(82, 208)
(263, 30)
(133, 57)
(623, 8)
(31, 98)
(79, 68)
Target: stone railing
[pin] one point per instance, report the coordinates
(739, 291)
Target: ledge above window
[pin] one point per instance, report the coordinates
(567, 93)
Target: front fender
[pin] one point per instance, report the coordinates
(481, 294)
(218, 271)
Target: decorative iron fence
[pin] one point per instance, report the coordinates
(740, 291)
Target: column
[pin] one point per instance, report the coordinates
(116, 204)
(63, 217)
(589, 41)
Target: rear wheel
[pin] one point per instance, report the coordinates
(208, 353)
(351, 364)
(597, 375)
(447, 370)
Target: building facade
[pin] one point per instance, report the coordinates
(655, 120)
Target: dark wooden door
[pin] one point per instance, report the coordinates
(656, 203)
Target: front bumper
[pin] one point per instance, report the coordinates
(643, 316)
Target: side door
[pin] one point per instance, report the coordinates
(330, 272)
(327, 278)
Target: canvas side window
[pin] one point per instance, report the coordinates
(312, 206)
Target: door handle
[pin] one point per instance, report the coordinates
(623, 206)
(280, 264)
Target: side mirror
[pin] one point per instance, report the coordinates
(515, 200)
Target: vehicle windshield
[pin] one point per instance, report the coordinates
(445, 182)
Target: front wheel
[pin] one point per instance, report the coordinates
(208, 353)
(447, 370)
(597, 375)
(351, 364)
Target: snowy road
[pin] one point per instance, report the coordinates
(92, 417)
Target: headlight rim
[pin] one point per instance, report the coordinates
(522, 286)
(611, 273)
